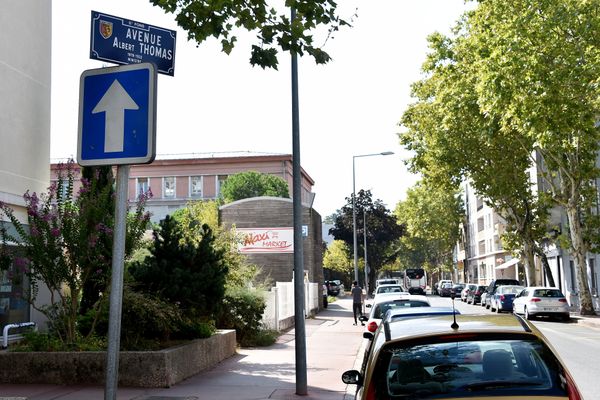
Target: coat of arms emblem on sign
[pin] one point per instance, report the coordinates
(106, 29)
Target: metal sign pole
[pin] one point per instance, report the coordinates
(116, 287)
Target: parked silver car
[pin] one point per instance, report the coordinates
(537, 301)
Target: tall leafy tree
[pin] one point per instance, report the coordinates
(540, 79)
(338, 258)
(248, 184)
(431, 215)
(533, 67)
(274, 29)
(382, 230)
(454, 139)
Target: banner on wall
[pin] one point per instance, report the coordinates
(266, 240)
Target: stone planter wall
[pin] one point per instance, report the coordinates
(150, 369)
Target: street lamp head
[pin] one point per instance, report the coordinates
(387, 153)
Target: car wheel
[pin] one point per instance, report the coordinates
(487, 306)
(527, 315)
(566, 318)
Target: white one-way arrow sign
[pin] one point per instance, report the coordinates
(114, 103)
(117, 115)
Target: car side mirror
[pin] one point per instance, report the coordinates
(352, 377)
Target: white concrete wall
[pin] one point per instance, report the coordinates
(25, 43)
(279, 313)
(25, 52)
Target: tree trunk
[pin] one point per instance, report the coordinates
(579, 250)
(547, 271)
(528, 253)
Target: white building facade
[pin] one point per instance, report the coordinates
(25, 55)
(480, 256)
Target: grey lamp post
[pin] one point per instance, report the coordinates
(365, 248)
(385, 153)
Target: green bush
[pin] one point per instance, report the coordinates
(192, 329)
(188, 273)
(260, 338)
(44, 341)
(242, 310)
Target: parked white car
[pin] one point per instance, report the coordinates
(537, 301)
(388, 301)
(389, 289)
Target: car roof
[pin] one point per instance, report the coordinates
(472, 323)
(389, 285)
(383, 297)
(398, 313)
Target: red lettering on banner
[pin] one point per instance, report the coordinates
(251, 239)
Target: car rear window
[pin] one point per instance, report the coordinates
(389, 289)
(492, 366)
(510, 289)
(382, 308)
(547, 293)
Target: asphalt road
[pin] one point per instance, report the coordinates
(577, 344)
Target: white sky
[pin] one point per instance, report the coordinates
(220, 103)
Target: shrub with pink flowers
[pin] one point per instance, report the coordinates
(66, 245)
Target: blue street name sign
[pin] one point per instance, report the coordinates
(123, 41)
(117, 114)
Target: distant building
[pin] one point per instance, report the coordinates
(480, 256)
(177, 180)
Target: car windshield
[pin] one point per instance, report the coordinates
(468, 368)
(381, 308)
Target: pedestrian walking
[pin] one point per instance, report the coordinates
(357, 299)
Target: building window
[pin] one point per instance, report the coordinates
(481, 247)
(497, 242)
(142, 186)
(63, 189)
(13, 307)
(479, 203)
(220, 180)
(480, 224)
(195, 186)
(169, 187)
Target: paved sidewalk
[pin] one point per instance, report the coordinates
(332, 346)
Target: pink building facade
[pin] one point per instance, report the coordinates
(176, 181)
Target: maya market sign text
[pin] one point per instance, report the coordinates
(123, 41)
(266, 240)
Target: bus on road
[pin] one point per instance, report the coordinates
(415, 280)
